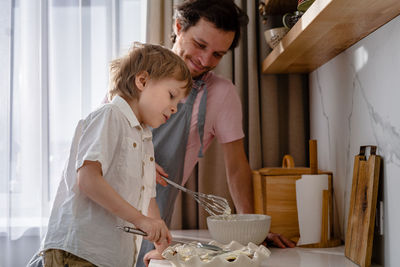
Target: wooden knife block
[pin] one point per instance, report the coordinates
(275, 195)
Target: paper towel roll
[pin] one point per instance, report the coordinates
(309, 207)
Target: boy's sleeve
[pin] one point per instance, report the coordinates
(99, 139)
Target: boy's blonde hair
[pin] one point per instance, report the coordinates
(157, 61)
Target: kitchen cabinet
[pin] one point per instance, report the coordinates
(325, 30)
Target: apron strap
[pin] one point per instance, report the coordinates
(202, 117)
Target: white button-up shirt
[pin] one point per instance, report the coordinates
(112, 136)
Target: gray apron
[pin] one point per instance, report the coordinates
(170, 141)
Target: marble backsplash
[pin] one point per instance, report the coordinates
(354, 101)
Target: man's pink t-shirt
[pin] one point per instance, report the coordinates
(223, 119)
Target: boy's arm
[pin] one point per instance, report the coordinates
(92, 183)
(154, 212)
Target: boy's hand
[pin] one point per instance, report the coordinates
(152, 254)
(156, 230)
(156, 253)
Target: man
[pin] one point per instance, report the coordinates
(204, 31)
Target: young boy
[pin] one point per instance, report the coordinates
(109, 179)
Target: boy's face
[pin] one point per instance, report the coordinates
(159, 100)
(202, 46)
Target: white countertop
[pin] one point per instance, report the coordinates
(290, 257)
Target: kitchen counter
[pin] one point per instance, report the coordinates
(291, 257)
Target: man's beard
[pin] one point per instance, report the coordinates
(197, 75)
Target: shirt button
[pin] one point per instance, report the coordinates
(142, 188)
(151, 158)
(134, 144)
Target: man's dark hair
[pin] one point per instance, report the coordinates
(224, 14)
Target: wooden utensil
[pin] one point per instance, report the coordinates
(364, 194)
(327, 204)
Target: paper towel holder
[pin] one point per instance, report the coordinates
(327, 238)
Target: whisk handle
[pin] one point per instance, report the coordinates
(132, 230)
(175, 185)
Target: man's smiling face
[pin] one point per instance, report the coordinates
(202, 46)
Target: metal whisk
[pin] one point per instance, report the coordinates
(214, 205)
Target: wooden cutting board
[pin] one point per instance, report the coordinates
(364, 193)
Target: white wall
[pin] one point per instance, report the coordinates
(354, 101)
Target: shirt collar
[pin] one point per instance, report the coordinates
(199, 81)
(130, 115)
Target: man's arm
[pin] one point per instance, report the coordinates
(239, 176)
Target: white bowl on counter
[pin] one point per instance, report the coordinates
(243, 228)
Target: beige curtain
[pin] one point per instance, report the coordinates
(275, 108)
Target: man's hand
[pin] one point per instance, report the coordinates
(279, 241)
(153, 254)
(160, 172)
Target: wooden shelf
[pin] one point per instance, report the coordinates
(325, 30)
